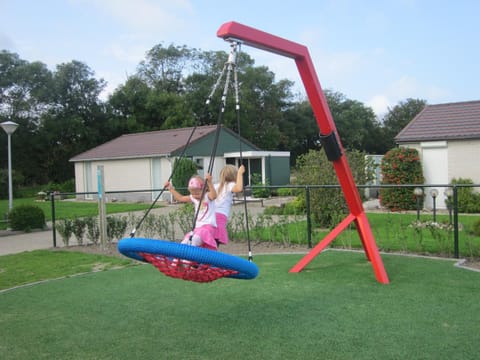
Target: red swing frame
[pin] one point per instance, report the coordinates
(265, 41)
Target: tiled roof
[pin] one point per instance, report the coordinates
(146, 144)
(452, 121)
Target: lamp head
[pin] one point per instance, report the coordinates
(418, 191)
(9, 127)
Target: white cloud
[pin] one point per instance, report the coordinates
(147, 15)
(127, 52)
(379, 104)
(6, 42)
(437, 94)
(404, 87)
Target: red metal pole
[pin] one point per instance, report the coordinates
(262, 40)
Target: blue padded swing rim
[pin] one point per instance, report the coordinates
(131, 247)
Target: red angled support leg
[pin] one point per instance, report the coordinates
(300, 54)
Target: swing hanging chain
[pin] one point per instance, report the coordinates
(228, 67)
(216, 85)
(237, 96)
(182, 155)
(237, 109)
(232, 58)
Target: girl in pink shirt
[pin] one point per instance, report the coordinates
(206, 226)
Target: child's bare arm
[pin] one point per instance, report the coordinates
(239, 184)
(176, 195)
(212, 194)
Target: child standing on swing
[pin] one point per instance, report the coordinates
(231, 181)
(204, 233)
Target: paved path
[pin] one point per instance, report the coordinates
(15, 242)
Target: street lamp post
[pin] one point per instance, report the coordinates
(418, 192)
(9, 127)
(434, 194)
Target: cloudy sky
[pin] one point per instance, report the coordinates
(374, 51)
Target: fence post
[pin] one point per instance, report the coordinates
(455, 222)
(309, 220)
(54, 232)
(101, 207)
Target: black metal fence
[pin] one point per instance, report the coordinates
(433, 200)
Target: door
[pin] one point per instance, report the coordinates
(156, 176)
(435, 171)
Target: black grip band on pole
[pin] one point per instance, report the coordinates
(330, 144)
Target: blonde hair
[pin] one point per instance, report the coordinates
(227, 174)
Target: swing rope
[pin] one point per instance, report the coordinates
(185, 261)
(182, 155)
(237, 111)
(228, 67)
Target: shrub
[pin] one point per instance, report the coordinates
(26, 218)
(287, 191)
(327, 204)
(476, 228)
(183, 169)
(400, 166)
(295, 207)
(259, 191)
(93, 230)
(468, 200)
(65, 187)
(65, 229)
(116, 227)
(78, 229)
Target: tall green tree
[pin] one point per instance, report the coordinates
(263, 101)
(355, 122)
(398, 117)
(165, 67)
(299, 130)
(71, 125)
(25, 96)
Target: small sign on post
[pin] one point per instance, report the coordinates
(102, 214)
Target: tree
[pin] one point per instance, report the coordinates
(299, 130)
(356, 123)
(398, 117)
(262, 104)
(25, 96)
(165, 68)
(72, 125)
(24, 88)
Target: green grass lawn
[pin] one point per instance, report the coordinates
(33, 266)
(393, 232)
(71, 209)
(334, 309)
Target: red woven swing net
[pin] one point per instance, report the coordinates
(186, 269)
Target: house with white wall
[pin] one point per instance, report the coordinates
(447, 137)
(136, 166)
